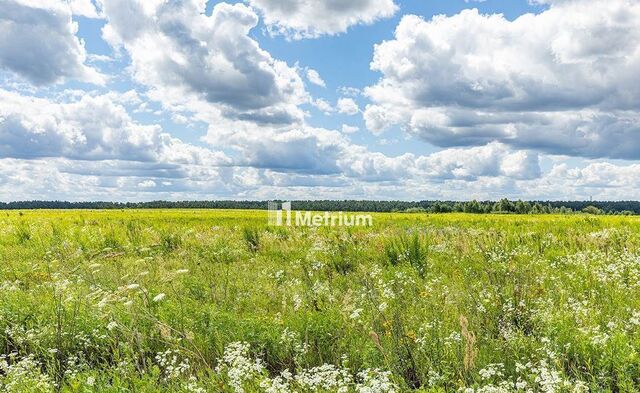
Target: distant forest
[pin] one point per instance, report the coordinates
(503, 206)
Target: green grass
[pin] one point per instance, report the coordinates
(200, 300)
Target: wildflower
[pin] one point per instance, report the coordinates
(238, 366)
(356, 313)
(25, 373)
(326, 377)
(297, 302)
(375, 381)
(435, 378)
(521, 385)
(492, 370)
(279, 384)
(171, 365)
(192, 386)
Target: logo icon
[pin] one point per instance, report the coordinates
(275, 213)
(282, 215)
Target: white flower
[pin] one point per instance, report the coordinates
(297, 302)
(238, 366)
(169, 361)
(375, 381)
(91, 381)
(325, 377)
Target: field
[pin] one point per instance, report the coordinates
(217, 301)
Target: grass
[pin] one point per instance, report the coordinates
(200, 300)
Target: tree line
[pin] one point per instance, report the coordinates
(503, 206)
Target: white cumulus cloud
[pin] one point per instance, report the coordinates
(347, 106)
(190, 60)
(90, 128)
(314, 77)
(298, 19)
(562, 82)
(38, 42)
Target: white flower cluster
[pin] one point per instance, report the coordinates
(240, 369)
(326, 377)
(238, 366)
(539, 377)
(171, 365)
(375, 381)
(279, 384)
(291, 340)
(21, 375)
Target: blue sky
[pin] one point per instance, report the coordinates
(301, 99)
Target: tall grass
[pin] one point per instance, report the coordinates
(196, 301)
(412, 249)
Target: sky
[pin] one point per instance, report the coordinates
(138, 100)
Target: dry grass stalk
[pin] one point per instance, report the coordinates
(470, 350)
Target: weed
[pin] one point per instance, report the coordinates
(252, 238)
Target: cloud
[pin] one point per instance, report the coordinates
(91, 128)
(91, 140)
(84, 8)
(487, 172)
(63, 179)
(299, 19)
(494, 160)
(347, 129)
(349, 91)
(322, 105)
(191, 61)
(38, 43)
(348, 106)
(294, 149)
(147, 184)
(314, 77)
(299, 150)
(560, 82)
(497, 96)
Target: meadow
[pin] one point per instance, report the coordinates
(217, 301)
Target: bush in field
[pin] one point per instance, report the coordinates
(592, 210)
